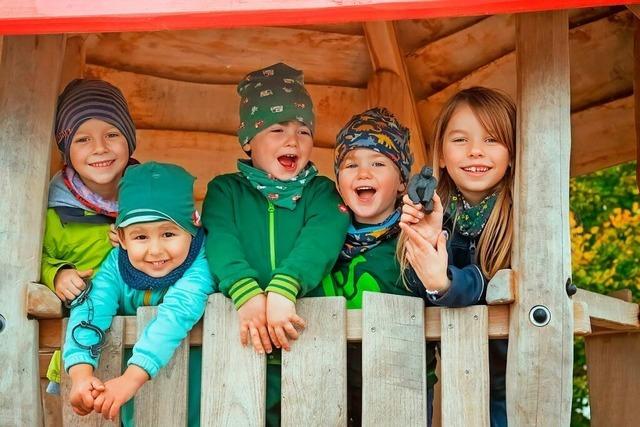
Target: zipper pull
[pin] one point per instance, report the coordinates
(271, 208)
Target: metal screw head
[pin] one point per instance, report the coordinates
(334, 315)
(3, 323)
(450, 325)
(475, 317)
(466, 371)
(373, 329)
(413, 317)
(539, 315)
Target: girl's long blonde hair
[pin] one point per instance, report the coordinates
(497, 113)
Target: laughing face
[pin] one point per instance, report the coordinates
(282, 150)
(155, 248)
(99, 153)
(369, 183)
(474, 159)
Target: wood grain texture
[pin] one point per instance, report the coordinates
(393, 360)
(501, 288)
(539, 366)
(233, 376)
(51, 406)
(416, 33)
(159, 103)
(609, 312)
(636, 87)
(27, 102)
(613, 371)
(465, 366)
(225, 56)
(42, 302)
(314, 372)
(109, 367)
(152, 408)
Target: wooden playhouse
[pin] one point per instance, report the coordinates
(568, 63)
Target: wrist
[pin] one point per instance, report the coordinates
(285, 286)
(136, 375)
(80, 371)
(438, 287)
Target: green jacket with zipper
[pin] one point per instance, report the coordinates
(253, 245)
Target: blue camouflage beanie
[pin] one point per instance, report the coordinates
(85, 99)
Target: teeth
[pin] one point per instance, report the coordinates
(290, 155)
(102, 164)
(364, 188)
(476, 169)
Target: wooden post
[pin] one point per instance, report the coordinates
(314, 372)
(29, 72)
(636, 87)
(152, 408)
(539, 368)
(390, 86)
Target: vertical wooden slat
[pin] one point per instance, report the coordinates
(636, 87)
(393, 361)
(390, 86)
(110, 366)
(314, 372)
(539, 368)
(27, 102)
(465, 366)
(152, 408)
(613, 370)
(233, 376)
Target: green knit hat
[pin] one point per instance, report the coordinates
(275, 94)
(156, 192)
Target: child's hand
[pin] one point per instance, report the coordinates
(253, 323)
(428, 225)
(83, 388)
(430, 263)
(113, 236)
(281, 318)
(119, 390)
(69, 282)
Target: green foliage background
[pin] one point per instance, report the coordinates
(605, 251)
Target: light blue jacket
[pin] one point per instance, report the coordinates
(179, 308)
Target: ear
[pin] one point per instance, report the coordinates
(441, 162)
(247, 148)
(121, 239)
(402, 187)
(338, 186)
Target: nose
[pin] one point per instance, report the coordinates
(100, 146)
(292, 139)
(154, 247)
(476, 149)
(364, 172)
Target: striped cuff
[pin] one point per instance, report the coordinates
(284, 285)
(243, 290)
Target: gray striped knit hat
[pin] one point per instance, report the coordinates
(85, 99)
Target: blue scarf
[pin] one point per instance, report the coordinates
(136, 279)
(360, 240)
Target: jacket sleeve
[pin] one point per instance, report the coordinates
(182, 306)
(318, 245)
(227, 258)
(468, 287)
(51, 262)
(103, 298)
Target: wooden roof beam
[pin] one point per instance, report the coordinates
(390, 87)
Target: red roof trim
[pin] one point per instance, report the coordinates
(71, 16)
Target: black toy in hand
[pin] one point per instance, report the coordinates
(421, 188)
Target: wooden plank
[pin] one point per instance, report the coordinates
(350, 28)
(609, 312)
(27, 102)
(436, 65)
(207, 154)
(613, 371)
(393, 354)
(225, 56)
(636, 89)
(233, 376)
(603, 136)
(622, 294)
(465, 366)
(152, 408)
(110, 366)
(42, 302)
(51, 405)
(323, 346)
(416, 33)
(158, 103)
(540, 357)
(581, 319)
(390, 86)
(635, 9)
(501, 287)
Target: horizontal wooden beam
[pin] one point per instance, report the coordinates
(159, 103)
(42, 302)
(608, 312)
(50, 329)
(38, 17)
(501, 288)
(225, 56)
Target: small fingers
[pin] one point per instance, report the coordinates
(282, 337)
(255, 338)
(97, 403)
(291, 331)
(298, 321)
(115, 409)
(274, 337)
(106, 406)
(244, 334)
(264, 336)
(87, 399)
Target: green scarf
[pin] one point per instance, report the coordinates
(283, 194)
(470, 220)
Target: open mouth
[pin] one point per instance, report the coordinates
(289, 162)
(365, 193)
(158, 264)
(102, 164)
(476, 169)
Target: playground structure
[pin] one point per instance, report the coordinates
(572, 74)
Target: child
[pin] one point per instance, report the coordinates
(453, 251)
(96, 137)
(274, 227)
(160, 262)
(372, 165)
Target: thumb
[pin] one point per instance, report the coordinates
(442, 242)
(85, 273)
(97, 384)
